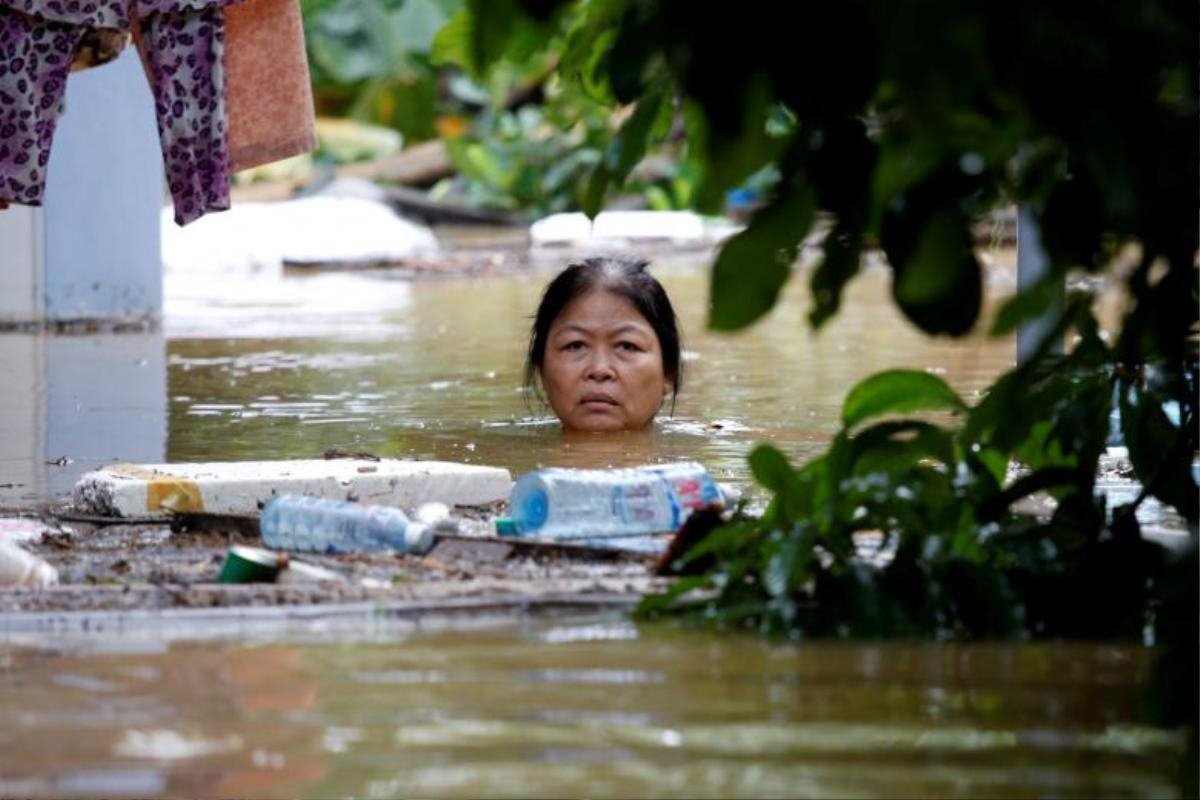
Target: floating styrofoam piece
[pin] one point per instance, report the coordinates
(240, 487)
(570, 228)
(261, 236)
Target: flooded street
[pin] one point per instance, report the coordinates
(573, 707)
(265, 368)
(250, 368)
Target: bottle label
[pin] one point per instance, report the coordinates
(662, 501)
(646, 505)
(692, 492)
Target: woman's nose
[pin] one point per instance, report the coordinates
(600, 367)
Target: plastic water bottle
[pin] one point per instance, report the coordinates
(610, 508)
(21, 568)
(315, 525)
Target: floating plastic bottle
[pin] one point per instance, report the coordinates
(20, 568)
(610, 508)
(315, 525)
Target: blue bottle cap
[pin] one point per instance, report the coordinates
(533, 510)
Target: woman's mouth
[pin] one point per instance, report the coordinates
(597, 399)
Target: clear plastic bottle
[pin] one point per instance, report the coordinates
(611, 507)
(316, 525)
(21, 568)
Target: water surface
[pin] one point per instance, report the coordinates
(595, 707)
(269, 367)
(264, 367)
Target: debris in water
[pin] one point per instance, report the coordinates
(20, 568)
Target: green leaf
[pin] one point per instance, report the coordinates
(590, 35)
(938, 285)
(623, 153)
(629, 145)
(896, 445)
(1158, 449)
(843, 251)
(926, 235)
(635, 46)
(452, 43)
(898, 391)
(995, 462)
(783, 570)
(477, 160)
(771, 468)
(737, 148)
(728, 538)
(654, 604)
(1040, 480)
(754, 265)
(493, 22)
(485, 33)
(1029, 303)
(597, 187)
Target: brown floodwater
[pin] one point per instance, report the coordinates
(263, 367)
(433, 370)
(266, 368)
(557, 708)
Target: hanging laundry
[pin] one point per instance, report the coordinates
(270, 92)
(33, 77)
(183, 48)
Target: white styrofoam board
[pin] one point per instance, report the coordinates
(241, 487)
(632, 226)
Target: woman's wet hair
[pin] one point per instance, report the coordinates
(624, 276)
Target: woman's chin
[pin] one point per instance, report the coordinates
(595, 424)
(602, 423)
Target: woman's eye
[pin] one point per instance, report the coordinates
(628, 347)
(573, 346)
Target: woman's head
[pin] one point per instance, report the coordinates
(605, 345)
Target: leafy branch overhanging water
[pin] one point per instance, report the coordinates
(898, 126)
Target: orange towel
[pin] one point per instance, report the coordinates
(270, 100)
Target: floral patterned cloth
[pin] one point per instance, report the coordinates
(182, 46)
(33, 76)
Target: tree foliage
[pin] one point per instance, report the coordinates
(370, 60)
(900, 124)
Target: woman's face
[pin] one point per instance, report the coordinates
(603, 367)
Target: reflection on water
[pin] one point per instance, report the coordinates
(597, 707)
(72, 403)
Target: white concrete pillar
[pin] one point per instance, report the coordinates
(93, 252)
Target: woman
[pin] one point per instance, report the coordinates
(605, 346)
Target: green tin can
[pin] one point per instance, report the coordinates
(251, 565)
